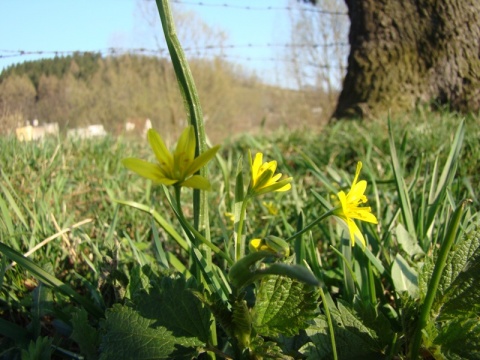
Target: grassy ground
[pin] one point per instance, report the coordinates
(56, 184)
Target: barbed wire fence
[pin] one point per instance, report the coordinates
(229, 52)
(194, 51)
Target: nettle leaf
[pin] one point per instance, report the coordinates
(172, 303)
(283, 306)
(457, 291)
(138, 280)
(85, 335)
(404, 277)
(128, 335)
(39, 349)
(454, 343)
(353, 339)
(261, 349)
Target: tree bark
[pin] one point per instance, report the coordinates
(406, 53)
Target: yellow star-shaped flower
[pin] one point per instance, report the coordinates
(349, 208)
(177, 168)
(263, 178)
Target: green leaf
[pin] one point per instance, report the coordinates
(404, 277)
(138, 280)
(261, 349)
(39, 349)
(128, 335)
(50, 280)
(402, 189)
(408, 243)
(354, 340)
(283, 306)
(458, 290)
(172, 304)
(85, 335)
(460, 339)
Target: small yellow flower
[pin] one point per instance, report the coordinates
(230, 216)
(350, 208)
(263, 179)
(177, 168)
(270, 206)
(272, 244)
(258, 245)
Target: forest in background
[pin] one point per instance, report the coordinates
(87, 88)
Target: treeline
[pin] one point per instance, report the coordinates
(87, 88)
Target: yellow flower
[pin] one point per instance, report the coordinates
(270, 206)
(271, 243)
(350, 208)
(263, 180)
(258, 245)
(175, 168)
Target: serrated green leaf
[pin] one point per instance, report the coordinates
(354, 340)
(128, 335)
(39, 349)
(404, 277)
(261, 349)
(460, 339)
(172, 304)
(241, 322)
(138, 281)
(457, 291)
(464, 293)
(85, 335)
(283, 306)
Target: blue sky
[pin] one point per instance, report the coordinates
(93, 25)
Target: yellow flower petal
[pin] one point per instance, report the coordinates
(176, 168)
(349, 207)
(147, 170)
(202, 160)
(164, 158)
(264, 178)
(197, 182)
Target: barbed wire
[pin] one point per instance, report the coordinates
(13, 53)
(312, 8)
(195, 51)
(198, 50)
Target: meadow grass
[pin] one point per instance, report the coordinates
(71, 185)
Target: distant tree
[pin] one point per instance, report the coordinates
(410, 52)
(17, 95)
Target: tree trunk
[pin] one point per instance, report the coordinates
(410, 52)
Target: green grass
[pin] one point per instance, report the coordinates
(49, 186)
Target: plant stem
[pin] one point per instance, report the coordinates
(239, 240)
(311, 225)
(330, 324)
(436, 276)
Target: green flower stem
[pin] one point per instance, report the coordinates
(311, 225)
(239, 241)
(330, 324)
(435, 280)
(193, 107)
(195, 234)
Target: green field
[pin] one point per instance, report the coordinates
(58, 184)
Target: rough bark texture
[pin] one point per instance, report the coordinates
(410, 52)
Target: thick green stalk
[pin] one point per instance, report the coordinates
(435, 280)
(194, 112)
(191, 101)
